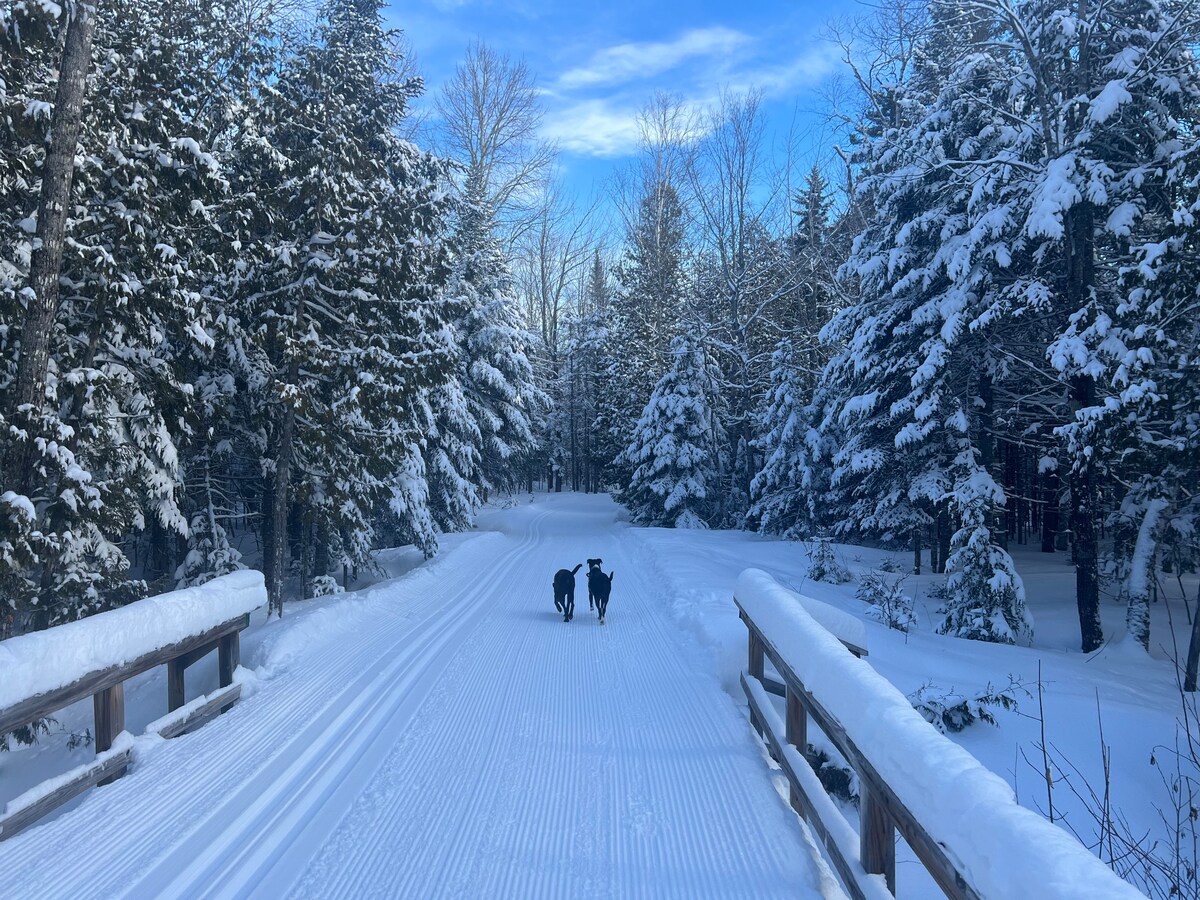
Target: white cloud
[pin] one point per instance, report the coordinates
(808, 68)
(593, 128)
(626, 62)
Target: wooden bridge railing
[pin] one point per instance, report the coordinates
(960, 820)
(176, 630)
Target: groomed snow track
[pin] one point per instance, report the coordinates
(448, 735)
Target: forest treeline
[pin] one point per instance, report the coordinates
(972, 324)
(980, 330)
(269, 314)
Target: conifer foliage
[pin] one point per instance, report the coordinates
(673, 450)
(258, 344)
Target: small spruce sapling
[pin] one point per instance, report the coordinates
(950, 711)
(887, 602)
(823, 564)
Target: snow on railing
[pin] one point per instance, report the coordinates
(49, 670)
(960, 819)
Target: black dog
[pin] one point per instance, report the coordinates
(593, 567)
(564, 592)
(600, 586)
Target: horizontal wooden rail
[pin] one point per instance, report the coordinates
(103, 769)
(881, 812)
(201, 710)
(44, 704)
(811, 803)
(986, 844)
(106, 687)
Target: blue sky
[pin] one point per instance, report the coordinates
(599, 61)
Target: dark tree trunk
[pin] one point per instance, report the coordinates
(321, 550)
(306, 573)
(1050, 491)
(916, 548)
(943, 538)
(1193, 657)
(58, 172)
(275, 563)
(1085, 514)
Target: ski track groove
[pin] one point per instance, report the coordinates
(471, 744)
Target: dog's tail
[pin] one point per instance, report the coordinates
(610, 575)
(577, 568)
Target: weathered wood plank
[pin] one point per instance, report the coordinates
(229, 657)
(44, 704)
(193, 656)
(176, 693)
(771, 686)
(853, 877)
(797, 736)
(755, 668)
(99, 772)
(877, 838)
(215, 704)
(109, 708)
(932, 854)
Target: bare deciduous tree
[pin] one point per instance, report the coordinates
(490, 119)
(553, 254)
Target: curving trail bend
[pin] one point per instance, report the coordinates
(446, 734)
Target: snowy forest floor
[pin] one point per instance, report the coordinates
(443, 733)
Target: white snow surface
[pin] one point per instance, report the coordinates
(33, 664)
(839, 623)
(1004, 849)
(445, 734)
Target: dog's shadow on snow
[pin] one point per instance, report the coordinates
(539, 615)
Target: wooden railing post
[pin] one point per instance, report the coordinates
(797, 735)
(175, 684)
(877, 837)
(228, 657)
(755, 670)
(108, 706)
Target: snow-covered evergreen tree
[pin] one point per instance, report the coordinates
(141, 250)
(646, 312)
(497, 378)
(345, 287)
(785, 488)
(672, 453)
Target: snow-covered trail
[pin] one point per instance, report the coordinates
(449, 735)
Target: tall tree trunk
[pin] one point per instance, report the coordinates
(321, 549)
(1050, 512)
(58, 172)
(944, 534)
(1085, 514)
(279, 496)
(1193, 657)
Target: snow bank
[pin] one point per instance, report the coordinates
(1002, 849)
(33, 664)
